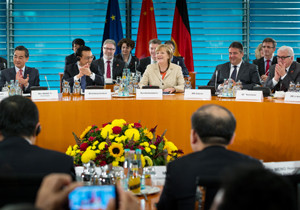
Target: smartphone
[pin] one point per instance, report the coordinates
(92, 197)
(165, 93)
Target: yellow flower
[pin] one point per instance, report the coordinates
(150, 135)
(118, 122)
(169, 146)
(116, 150)
(97, 151)
(119, 139)
(85, 132)
(143, 161)
(122, 159)
(73, 153)
(131, 125)
(146, 144)
(152, 146)
(148, 161)
(93, 147)
(132, 131)
(102, 145)
(75, 147)
(105, 130)
(147, 149)
(115, 163)
(77, 151)
(111, 136)
(95, 143)
(88, 155)
(69, 150)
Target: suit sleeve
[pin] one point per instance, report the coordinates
(2, 80)
(67, 76)
(33, 82)
(99, 79)
(180, 82)
(254, 78)
(183, 67)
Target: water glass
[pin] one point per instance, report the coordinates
(149, 174)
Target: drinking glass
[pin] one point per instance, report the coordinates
(149, 174)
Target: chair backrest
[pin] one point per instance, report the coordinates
(207, 188)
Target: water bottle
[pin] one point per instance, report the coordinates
(138, 153)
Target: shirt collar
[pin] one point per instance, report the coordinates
(238, 66)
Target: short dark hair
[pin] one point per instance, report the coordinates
(268, 39)
(237, 45)
(214, 124)
(127, 41)
(78, 41)
(254, 187)
(154, 41)
(81, 49)
(170, 42)
(18, 116)
(22, 48)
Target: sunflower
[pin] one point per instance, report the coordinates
(116, 150)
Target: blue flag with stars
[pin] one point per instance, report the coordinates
(113, 25)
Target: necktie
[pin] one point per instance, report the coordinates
(233, 74)
(108, 70)
(21, 76)
(83, 82)
(267, 67)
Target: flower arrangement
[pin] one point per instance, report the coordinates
(106, 145)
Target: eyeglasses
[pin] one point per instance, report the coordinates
(283, 57)
(267, 47)
(106, 48)
(89, 57)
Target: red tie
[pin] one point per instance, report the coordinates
(267, 67)
(21, 73)
(108, 73)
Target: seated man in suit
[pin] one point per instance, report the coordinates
(110, 66)
(3, 63)
(178, 60)
(144, 62)
(287, 70)
(236, 69)
(77, 43)
(19, 157)
(213, 128)
(84, 70)
(26, 76)
(264, 63)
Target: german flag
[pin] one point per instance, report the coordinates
(181, 34)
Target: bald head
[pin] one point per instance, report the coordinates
(214, 124)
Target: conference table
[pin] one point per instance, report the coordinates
(267, 130)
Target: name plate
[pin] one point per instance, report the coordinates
(197, 94)
(44, 95)
(283, 168)
(160, 172)
(292, 96)
(97, 94)
(149, 93)
(252, 95)
(3, 95)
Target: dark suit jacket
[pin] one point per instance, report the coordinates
(72, 70)
(179, 61)
(248, 75)
(261, 64)
(180, 186)
(133, 63)
(18, 158)
(3, 63)
(118, 67)
(293, 75)
(72, 59)
(144, 62)
(10, 74)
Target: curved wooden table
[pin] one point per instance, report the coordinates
(265, 130)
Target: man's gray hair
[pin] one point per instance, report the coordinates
(288, 49)
(109, 41)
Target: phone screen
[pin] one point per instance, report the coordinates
(91, 197)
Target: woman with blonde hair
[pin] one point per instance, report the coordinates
(259, 53)
(166, 75)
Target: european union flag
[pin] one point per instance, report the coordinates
(113, 24)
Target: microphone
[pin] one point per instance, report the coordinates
(216, 79)
(135, 65)
(47, 82)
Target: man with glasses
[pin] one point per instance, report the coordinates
(26, 76)
(110, 66)
(84, 70)
(287, 70)
(264, 63)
